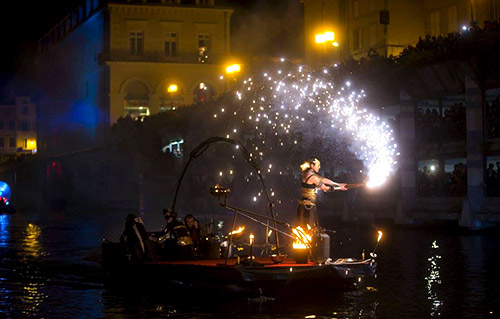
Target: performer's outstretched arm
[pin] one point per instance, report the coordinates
(327, 185)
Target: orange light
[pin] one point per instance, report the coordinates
(233, 68)
(172, 88)
(237, 231)
(324, 37)
(303, 238)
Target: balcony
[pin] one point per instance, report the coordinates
(158, 57)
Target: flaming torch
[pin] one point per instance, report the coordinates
(373, 254)
(252, 237)
(237, 232)
(302, 244)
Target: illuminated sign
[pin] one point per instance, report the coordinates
(174, 147)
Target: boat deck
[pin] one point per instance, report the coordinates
(261, 261)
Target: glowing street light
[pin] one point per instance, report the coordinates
(172, 88)
(234, 68)
(325, 37)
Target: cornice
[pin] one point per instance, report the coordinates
(159, 8)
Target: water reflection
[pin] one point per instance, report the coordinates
(434, 279)
(32, 292)
(31, 242)
(4, 230)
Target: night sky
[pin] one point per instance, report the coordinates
(259, 27)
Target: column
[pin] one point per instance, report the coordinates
(407, 159)
(154, 103)
(475, 159)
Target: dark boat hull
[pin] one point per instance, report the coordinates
(263, 276)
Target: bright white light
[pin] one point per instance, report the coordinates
(300, 97)
(464, 28)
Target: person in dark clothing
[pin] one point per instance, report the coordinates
(136, 240)
(193, 226)
(177, 242)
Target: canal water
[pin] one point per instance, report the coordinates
(49, 269)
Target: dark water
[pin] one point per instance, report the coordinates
(48, 270)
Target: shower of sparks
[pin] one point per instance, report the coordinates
(292, 99)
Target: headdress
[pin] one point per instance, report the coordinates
(307, 164)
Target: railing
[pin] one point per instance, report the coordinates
(157, 56)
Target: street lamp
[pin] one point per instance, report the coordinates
(324, 38)
(232, 69)
(172, 88)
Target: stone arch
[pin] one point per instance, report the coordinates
(203, 91)
(126, 83)
(135, 94)
(169, 100)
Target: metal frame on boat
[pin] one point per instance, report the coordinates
(273, 273)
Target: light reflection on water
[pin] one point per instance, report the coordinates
(434, 279)
(33, 290)
(4, 232)
(43, 272)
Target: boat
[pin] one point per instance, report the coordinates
(6, 207)
(138, 255)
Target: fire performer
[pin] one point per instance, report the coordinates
(311, 181)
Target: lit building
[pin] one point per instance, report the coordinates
(17, 127)
(383, 26)
(108, 59)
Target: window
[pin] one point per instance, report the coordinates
(25, 110)
(171, 44)
(12, 142)
(1, 125)
(357, 39)
(136, 43)
(203, 47)
(434, 23)
(12, 125)
(452, 19)
(2, 142)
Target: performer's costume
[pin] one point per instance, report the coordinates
(307, 204)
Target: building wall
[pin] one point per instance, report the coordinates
(72, 86)
(153, 69)
(358, 29)
(18, 127)
(86, 66)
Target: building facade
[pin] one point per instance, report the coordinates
(384, 26)
(18, 127)
(111, 59)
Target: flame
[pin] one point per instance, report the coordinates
(237, 231)
(303, 238)
(251, 239)
(379, 236)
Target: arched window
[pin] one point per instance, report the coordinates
(171, 96)
(203, 93)
(136, 100)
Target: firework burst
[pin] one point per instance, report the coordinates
(292, 99)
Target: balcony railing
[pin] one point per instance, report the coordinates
(157, 56)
